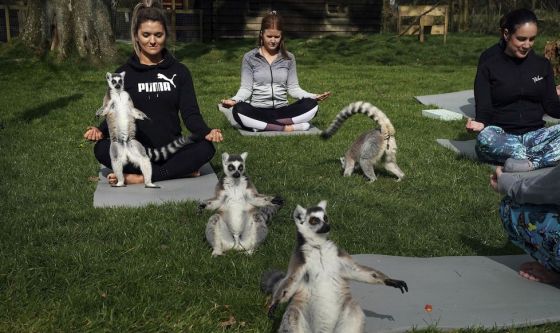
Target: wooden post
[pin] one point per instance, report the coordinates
(7, 15)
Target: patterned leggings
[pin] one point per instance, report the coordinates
(541, 147)
(535, 229)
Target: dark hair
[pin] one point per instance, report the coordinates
(273, 20)
(514, 19)
(146, 10)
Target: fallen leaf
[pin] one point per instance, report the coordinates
(93, 178)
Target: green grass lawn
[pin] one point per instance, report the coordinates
(68, 267)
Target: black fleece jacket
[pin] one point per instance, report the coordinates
(514, 94)
(162, 92)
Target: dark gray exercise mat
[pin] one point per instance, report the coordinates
(464, 292)
(462, 148)
(461, 102)
(227, 113)
(175, 190)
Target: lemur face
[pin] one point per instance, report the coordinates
(115, 80)
(234, 165)
(312, 222)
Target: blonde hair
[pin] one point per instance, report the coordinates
(146, 10)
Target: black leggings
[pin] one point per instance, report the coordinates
(181, 164)
(265, 119)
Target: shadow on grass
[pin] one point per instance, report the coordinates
(45, 108)
(482, 249)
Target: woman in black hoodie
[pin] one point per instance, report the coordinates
(162, 88)
(514, 89)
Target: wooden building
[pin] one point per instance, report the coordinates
(193, 20)
(303, 18)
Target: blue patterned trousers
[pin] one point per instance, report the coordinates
(541, 147)
(535, 229)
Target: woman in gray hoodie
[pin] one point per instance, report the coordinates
(268, 75)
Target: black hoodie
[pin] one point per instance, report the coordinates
(514, 93)
(162, 91)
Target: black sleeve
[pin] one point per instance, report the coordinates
(483, 96)
(190, 113)
(551, 103)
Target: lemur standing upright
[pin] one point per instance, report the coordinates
(240, 223)
(316, 284)
(120, 113)
(375, 147)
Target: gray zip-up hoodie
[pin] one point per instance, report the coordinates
(540, 190)
(266, 85)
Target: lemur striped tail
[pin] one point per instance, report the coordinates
(360, 107)
(269, 280)
(265, 213)
(164, 152)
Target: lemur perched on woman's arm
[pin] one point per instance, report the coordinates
(243, 212)
(317, 282)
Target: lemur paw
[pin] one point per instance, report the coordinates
(397, 284)
(278, 200)
(217, 253)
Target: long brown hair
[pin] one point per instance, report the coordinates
(146, 10)
(273, 20)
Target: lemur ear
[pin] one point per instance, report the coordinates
(122, 73)
(225, 157)
(323, 204)
(108, 75)
(299, 214)
(244, 156)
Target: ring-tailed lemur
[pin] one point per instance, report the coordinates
(240, 223)
(120, 113)
(375, 147)
(316, 284)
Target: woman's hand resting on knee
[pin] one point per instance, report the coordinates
(93, 134)
(323, 96)
(228, 103)
(474, 126)
(215, 135)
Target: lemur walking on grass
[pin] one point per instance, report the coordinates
(377, 147)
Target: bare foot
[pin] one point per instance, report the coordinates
(195, 173)
(289, 128)
(534, 271)
(129, 178)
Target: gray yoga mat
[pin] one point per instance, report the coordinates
(462, 148)
(464, 292)
(227, 113)
(461, 102)
(175, 190)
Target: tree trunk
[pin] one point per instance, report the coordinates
(70, 26)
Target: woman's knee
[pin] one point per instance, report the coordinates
(101, 152)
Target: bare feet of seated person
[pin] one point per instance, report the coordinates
(534, 271)
(132, 178)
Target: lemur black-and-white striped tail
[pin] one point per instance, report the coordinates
(265, 213)
(360, 107)
(269, 280)
(164, 152)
